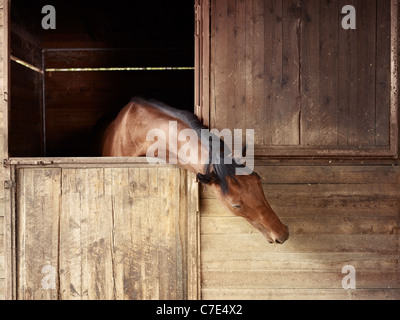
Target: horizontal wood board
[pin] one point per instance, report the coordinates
(337, 216)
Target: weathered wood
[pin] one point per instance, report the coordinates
(327, 175)
(328, 74)
(324, 89)
(7, 275)
(193, 225)
(219, 67)
(315, 224)
(270, 261)
(274, 16)
(38, 233)
(382, 73)
(202, 61)
(303, 279)
(305, 294)
(112, 233)
(256, 117)
(337, 216)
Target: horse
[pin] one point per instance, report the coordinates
(128, 136)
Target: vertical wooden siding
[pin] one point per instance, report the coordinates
(4, 196)
(288, 70)
(337, 216)
(109, 233)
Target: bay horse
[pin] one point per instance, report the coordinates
(243, 195)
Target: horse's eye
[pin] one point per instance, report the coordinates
(236, 206)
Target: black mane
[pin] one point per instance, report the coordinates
(217, 170)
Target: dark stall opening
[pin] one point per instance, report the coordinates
(64, 80)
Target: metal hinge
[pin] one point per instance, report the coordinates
(6, 163)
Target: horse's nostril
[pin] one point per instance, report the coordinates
(278, 241)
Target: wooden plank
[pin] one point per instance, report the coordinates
(38, 233)
(286, 113)
(206, 79)
(122, 161)
(118, 189)
(274, 88)
(313, 279)
(295, 261)
(2, 257)
(303, 243)
(329, 175)
(327, 191)
(256, 116)
(300, 206)
(272, 45)
(383, 73)
(314, 224)
(310, 67)
(324, 152)
(118, 58)
(2, 290)
(366, 37)
(2, 260)
(327, 115)
(193, 225)
(236, 65)
(219, 64)
(347, 86)
(150, 260)
(127, 202)
(85, 249)
(305, 294)
(7, 283)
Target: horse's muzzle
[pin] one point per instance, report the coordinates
(280, 239)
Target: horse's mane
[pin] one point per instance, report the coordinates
(217, 170)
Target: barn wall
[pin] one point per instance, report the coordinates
(337, 216)
(3, 149)
(305, 85)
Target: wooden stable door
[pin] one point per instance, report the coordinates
(306, 85)
(106, 232)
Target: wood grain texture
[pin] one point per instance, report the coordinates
(310, 86)
(7, 276)
(109, 233)
(337, 216)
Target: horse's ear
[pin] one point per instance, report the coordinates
(205, 179)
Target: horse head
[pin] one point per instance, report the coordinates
(243, 195)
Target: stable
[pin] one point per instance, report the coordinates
(322, 101)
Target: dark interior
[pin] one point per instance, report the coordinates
(53, 111)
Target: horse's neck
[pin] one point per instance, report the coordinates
(184, 147)
(191, 155)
